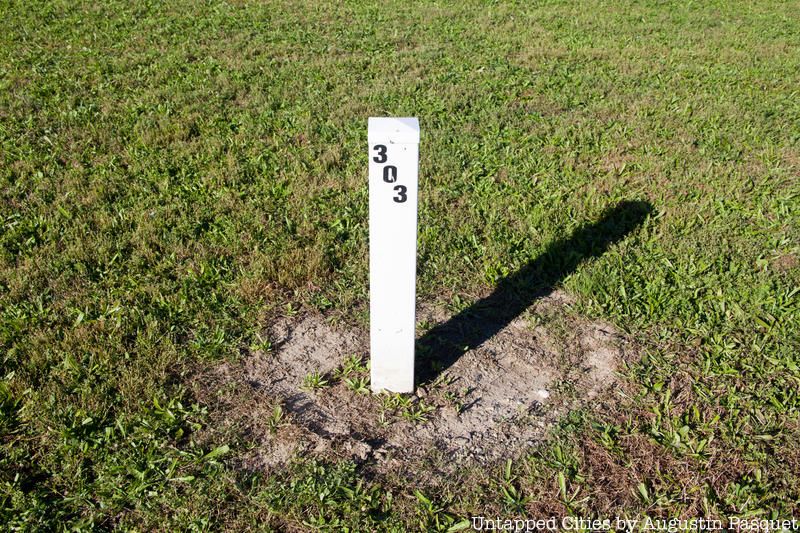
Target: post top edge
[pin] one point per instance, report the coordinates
(393, 129)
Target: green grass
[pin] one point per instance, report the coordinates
(175, 174)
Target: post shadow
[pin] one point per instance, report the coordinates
(440, 347)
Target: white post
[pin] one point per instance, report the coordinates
(393, 172)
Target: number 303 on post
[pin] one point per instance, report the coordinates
(390, 173)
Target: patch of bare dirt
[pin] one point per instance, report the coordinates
(488, 403)
(785, 262)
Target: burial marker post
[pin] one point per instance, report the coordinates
(393, 174)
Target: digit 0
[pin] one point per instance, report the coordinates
(389, 174)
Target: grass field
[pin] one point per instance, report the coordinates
(176, 175)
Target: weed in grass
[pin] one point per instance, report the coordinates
(455, 400)
(314, 381)
(359, 384)
(513, 498)
(405, 406)
(432, 516)
(276, 419)
(261, 344)
(418, 412)
(352, 365)
(441, 381)
(393, 401)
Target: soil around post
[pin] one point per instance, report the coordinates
(494, 402)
